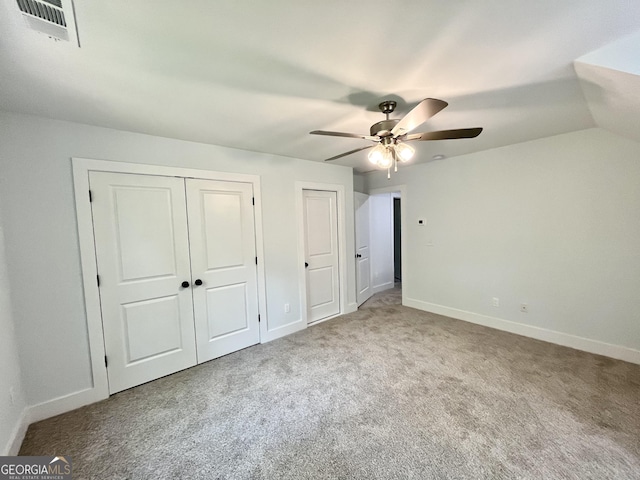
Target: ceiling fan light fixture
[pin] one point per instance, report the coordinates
(377, 154)
(404, 152)
(387, 159)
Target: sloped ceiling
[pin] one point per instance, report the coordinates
(610, 78)
(261, 75)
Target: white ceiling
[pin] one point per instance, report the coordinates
(261, 75)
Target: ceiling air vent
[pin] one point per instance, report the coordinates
(54, 18)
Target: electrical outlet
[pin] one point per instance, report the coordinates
(496, 302)
(287, 308)
(524, 308)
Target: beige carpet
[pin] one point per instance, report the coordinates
(386, 392)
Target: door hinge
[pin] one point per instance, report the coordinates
(256, 260)
(98, 279)
(90, 196)
(258, 318)
(253, 200)
(106, 362)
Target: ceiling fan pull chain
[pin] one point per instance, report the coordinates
(389, 172)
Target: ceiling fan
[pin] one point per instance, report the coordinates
(390, 135)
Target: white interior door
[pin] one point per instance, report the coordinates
(363, 264)
(223, 258)
(142, 250)
(321, 253)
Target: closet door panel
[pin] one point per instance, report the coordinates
(223, 258)
(142, 252)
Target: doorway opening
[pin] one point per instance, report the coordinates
(397, 242)
(379, 242)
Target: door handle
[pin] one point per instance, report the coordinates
(306, 265)
(185, 284)
(358, 255)
(198, 282)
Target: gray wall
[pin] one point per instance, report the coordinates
(554, 223)
(42, 242)
(359, 183)
(10, 381)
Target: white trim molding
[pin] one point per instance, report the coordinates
(48, 409)
(63, 404)
(351, 307)
(283, 330)
(382, 287)
(17, 435)
(546, 335)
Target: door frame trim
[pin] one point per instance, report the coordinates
(342, 245)
(81, 168)
(403, 228)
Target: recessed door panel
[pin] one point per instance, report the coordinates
(226, 308)
(319, 238)
(364, 272)
(137, 260)
(224, 247)
(142, 250)
(321, 254)
(152, 328)
(223, 257)
(321, 287)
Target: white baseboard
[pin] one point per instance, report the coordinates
(283, 330)
(48, 409)
(17, 436)
(382, 287)
(351, 307)
(551, 336)
(331, 317)
(66, 403)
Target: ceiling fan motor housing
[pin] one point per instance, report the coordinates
(387, 107)
(383, 128)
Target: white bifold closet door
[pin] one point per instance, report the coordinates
(223, 255)
(176, 265)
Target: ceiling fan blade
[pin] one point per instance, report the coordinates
(445, 134)
(343, 134)
(426, 109)
(348, 153)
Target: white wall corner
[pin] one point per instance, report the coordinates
(48, 409)
(18, 434)
(551, 336)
